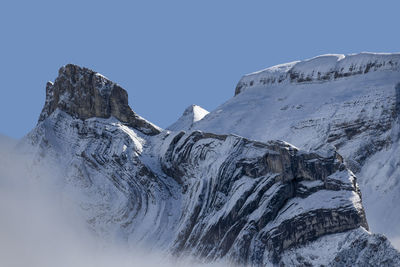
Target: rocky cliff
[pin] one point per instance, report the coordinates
(252, 200)
(85, 94)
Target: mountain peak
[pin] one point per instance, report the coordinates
(320, 69)
(196, 111)
(84, 93)
(192, 114)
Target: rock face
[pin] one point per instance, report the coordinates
(250, 201)
(85, 94)
(206, 195)
(351, 248)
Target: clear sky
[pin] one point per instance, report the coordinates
(170, 54)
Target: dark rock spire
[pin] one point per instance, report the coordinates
(84, 94)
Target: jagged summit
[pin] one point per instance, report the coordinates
(320, 69)
(84, 93)
(192, 114)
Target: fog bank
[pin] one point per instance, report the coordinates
(40, 227)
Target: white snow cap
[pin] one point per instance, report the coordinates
(192, 114)
(321, 68)
(196, 111)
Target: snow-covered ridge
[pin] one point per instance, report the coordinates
(320, 69)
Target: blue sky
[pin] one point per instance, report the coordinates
(170, 54)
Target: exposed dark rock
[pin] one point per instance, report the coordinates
(276, 170)
(85, 94)
(373, 251)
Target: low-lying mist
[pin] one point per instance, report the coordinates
(40, 227)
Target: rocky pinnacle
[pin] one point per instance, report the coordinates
(84, 94)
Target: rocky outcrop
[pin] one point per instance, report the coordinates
(352, 248)
(85, 94)
(247, 200)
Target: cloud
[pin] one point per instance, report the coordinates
(40, 228)
(396, 242)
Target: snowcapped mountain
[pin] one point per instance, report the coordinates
(214, 195)
(349, 102)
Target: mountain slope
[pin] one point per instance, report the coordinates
(206, 195)
(350, 102)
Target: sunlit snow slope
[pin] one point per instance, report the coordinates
(351, 102)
